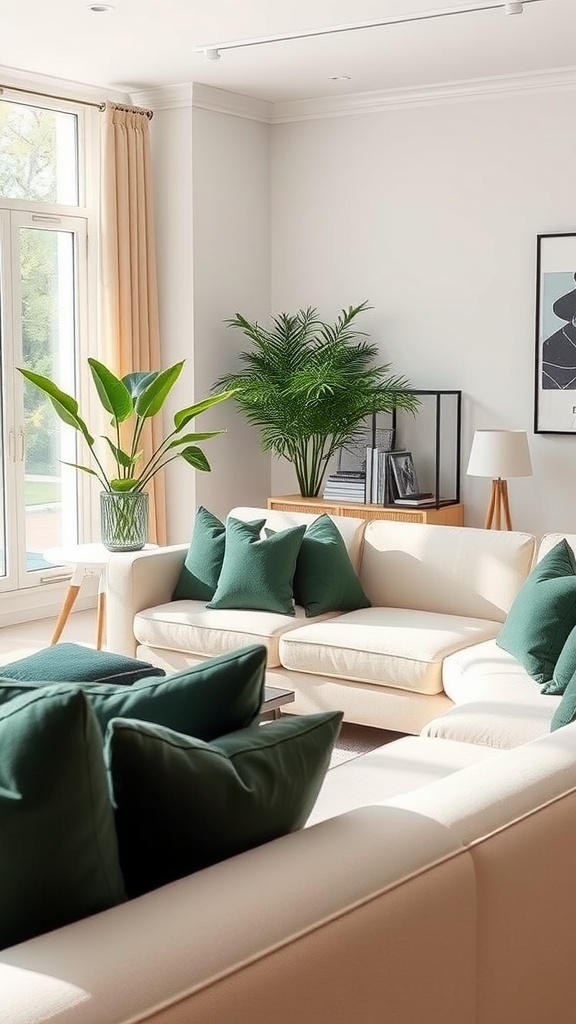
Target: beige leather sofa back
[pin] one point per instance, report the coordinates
(453, 570)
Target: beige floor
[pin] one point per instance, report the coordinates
(27, 637)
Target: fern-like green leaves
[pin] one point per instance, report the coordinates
(308, 387)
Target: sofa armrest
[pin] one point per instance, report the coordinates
(137, 580)
(290, 931)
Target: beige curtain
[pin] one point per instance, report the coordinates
(129, 336)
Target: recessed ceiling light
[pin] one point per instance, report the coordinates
(100, 8)
(339, 78)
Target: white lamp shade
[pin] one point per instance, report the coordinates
(500, 453)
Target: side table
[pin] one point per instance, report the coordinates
(87, 560)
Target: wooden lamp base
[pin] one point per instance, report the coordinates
(498, 507)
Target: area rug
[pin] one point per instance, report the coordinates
(355, 740)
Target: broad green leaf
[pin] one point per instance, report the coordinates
(122, 457)
(65, 405)
(138, 381)
(113, 394)
(195, 457)
(188, 438)
(123, 486)
(183, 417)
(155, 394)
(85, 469)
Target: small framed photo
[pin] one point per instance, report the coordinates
(404, 474)
(555, 362)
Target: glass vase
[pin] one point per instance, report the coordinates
(124, 520)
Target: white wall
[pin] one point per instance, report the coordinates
(212, 184)
(432, 213)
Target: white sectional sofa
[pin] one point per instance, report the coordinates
(435, 884)
(439, 597)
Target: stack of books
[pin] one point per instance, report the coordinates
(346, 485)
(380, 481)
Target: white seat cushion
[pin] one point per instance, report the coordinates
(190, 627)
(397, 647)
(389, 770)
(499, 724)
(486, 673)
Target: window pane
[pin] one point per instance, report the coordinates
(48, 339)
(38, 154)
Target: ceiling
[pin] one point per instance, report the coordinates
(145, 44)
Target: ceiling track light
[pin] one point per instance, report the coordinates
(212, 51)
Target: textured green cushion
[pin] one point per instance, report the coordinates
(182, 804)
(58, 850)
(258, 574)
(542, 614)
(564, 669)
(203, 562)
(566, 710)
(206, 700)
(325, 580)
(64, 663)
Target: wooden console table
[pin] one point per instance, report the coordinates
(446, 515)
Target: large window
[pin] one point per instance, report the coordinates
(43, 326)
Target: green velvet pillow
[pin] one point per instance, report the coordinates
(564, 669)
(258, 574)
(58, 849)
(543, 614)
(64, 663)
(205, 700)
(325, 580)
(182, 804)
(203, 562)
(566, 710)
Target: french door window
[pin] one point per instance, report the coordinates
(43, 327)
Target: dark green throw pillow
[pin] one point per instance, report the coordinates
(543, 614)
(258, 574)
(203, 563)
(566, 710)
(205, 700)
(182, 804)
(325, 580)
(63, 663)
(58, 849)
(201, 570)
(564, 669)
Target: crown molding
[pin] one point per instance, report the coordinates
(14, 78)
(204, 97)
(430, 95)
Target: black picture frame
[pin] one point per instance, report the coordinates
(404, 472)
(555, 334)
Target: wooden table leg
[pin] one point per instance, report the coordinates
(71, 595)
(100, 619)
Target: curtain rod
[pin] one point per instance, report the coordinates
(86, 103)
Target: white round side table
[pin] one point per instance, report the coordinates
(86, 559)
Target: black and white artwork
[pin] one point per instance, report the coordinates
(404, 474)
(555, 383)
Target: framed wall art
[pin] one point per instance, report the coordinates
(555, 363)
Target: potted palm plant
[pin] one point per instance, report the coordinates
(309, 387)
(132, 401)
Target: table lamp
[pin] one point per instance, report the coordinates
(499, 454)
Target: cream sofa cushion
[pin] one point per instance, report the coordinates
(455, 571)
(485, 672)
(192, 628)
(396, 647)
(498, 724)
(392, 769)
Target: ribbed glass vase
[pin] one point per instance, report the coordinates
(124, 520)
